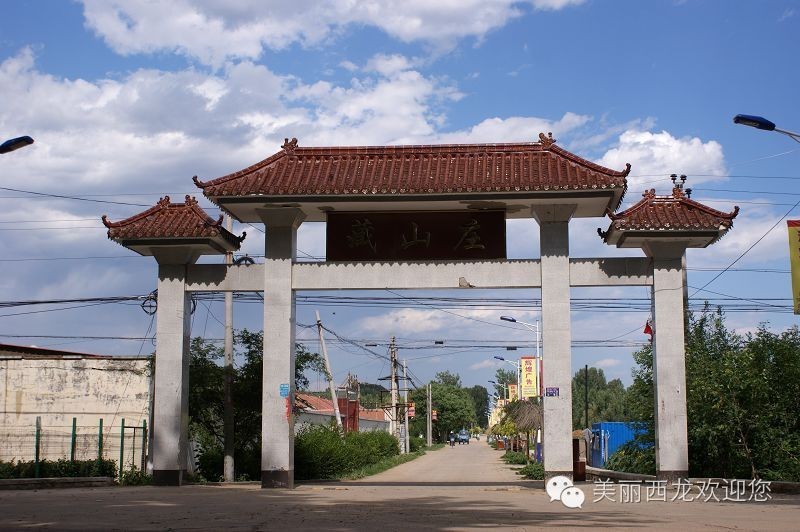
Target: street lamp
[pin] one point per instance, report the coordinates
(504, 387)
(517, 366)
(531, 326)
(759, 122)
(15, 144)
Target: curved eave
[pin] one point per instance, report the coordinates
(195, 246)
(638, 238)
(590, 202)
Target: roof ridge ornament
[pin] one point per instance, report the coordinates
(649, 194)
(289, 145)
(546, 141)
(163, 202)
(678, 190)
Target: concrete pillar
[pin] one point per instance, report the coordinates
(669, 366)
(171, 406)
(556, 337)
(277, 422)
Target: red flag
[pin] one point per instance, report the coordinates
(648, 329)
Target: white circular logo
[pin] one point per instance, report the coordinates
(556, 485)
(572, 497)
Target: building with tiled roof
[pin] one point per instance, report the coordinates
(674, 217)
(511, 177)
(319, 410)
(173, 225)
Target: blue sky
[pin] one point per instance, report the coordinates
(129, 99)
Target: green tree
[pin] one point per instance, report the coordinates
(741, 401)
(606, 399)
(206, 377)
(504, 377)
(454, 408)
(449, 379)
(480, 400)
(373, 395)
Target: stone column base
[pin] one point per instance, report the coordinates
(278, 478)
(671, 476)
(167, 477)
(550, 474)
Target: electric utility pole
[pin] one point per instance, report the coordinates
(394, 425)
(334, 399)
(227, 415)
(405, 400)
(586, 393)
(430, 418)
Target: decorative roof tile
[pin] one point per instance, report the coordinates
(170, 221)
(669, 215)
(416, 169)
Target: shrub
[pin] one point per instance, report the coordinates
(533, 471)
(514, 457)
(136, 477)
(416, 444)
(633, 457)
(320, 452)
(59, 468)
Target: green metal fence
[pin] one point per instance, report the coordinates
(124, 442)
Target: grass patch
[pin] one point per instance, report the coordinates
(434, 447)
(383, 465)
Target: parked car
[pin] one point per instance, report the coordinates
(463, 437)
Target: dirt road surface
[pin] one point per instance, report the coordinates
(462, 488)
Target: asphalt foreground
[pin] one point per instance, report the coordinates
(461, 488)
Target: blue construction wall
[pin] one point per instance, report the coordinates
(608, 436)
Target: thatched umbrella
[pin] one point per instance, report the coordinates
(526, 415)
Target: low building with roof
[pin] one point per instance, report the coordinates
(314, 410)
(72, 398)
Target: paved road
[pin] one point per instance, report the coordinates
(463, 488)
(474, 464)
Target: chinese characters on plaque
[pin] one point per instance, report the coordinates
(530, 377)
(417, 235)
(794, 261)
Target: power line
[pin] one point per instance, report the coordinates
(76, 198)
(748, 249)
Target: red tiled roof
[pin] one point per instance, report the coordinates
(313, 402)
(320, 404)
(168, 220)
(372, 414)
(420, 169)
(676, 212)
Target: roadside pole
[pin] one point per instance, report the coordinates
(227, 415)
(430, 418)
(395, 425)
(405, 400)
(334, 399)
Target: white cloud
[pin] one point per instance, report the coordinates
(403, 320)
(485, 364)
(514, 129)
(213, 32)
(607, 363)
(652, 155)
(787, 14)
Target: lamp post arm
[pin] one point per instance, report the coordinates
(794, 136)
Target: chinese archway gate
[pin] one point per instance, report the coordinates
(418, 217)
